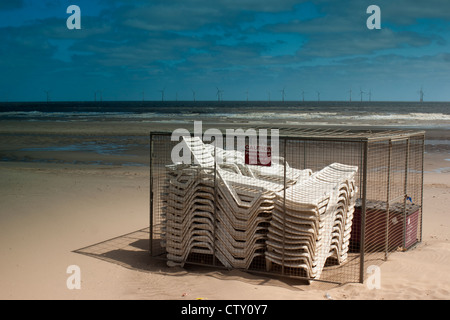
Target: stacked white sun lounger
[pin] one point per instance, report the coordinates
(244, 210)
(343, 177)
(298, 234)
(237, 212)
(273, 173)
(188, 213)
(312, 220)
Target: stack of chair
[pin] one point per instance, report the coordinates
(273, 173)
(188, 213)
(342, 178)
(299, 233)
(244, 210)
(276, 172)
(237, 212)
(243, 204)
(312, 221)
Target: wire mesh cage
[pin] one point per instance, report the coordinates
(316, 204)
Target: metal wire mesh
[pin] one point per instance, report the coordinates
(332, 203)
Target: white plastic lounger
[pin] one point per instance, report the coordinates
(297, 212)
(273, 173)
(239, 250)
(241, 212)
(276, 173)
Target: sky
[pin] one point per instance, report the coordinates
(133, 50)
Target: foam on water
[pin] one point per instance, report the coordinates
(428, 115)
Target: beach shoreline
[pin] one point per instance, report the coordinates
(61, 213)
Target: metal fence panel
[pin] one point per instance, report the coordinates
(332, 203)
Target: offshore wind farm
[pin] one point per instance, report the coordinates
(284, 94)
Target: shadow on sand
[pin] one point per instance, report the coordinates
(131, 251)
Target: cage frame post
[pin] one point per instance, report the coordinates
(215, 207)
(363, 211)
(151, 213)
(421, 186)
(284, 206)
(388, 201)
(405, 211)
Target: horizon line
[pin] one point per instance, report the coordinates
(221, 101)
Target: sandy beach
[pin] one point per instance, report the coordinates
(92, 210)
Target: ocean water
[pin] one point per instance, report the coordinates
(133, 151)
(406, 114)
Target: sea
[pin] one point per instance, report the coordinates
(405, 114)
(124, 150)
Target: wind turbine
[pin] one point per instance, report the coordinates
(283, 94)
(219, 94)
(370, 95)
(350, 95)
(163, 91)
(268, 95)
(143, 96)
(303, 96)
(193, 94)
(361, 93)
(421, 93)
(318, 96)
(247, 94)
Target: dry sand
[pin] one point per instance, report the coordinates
(54, 215)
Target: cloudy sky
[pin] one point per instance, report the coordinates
(130, 49)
